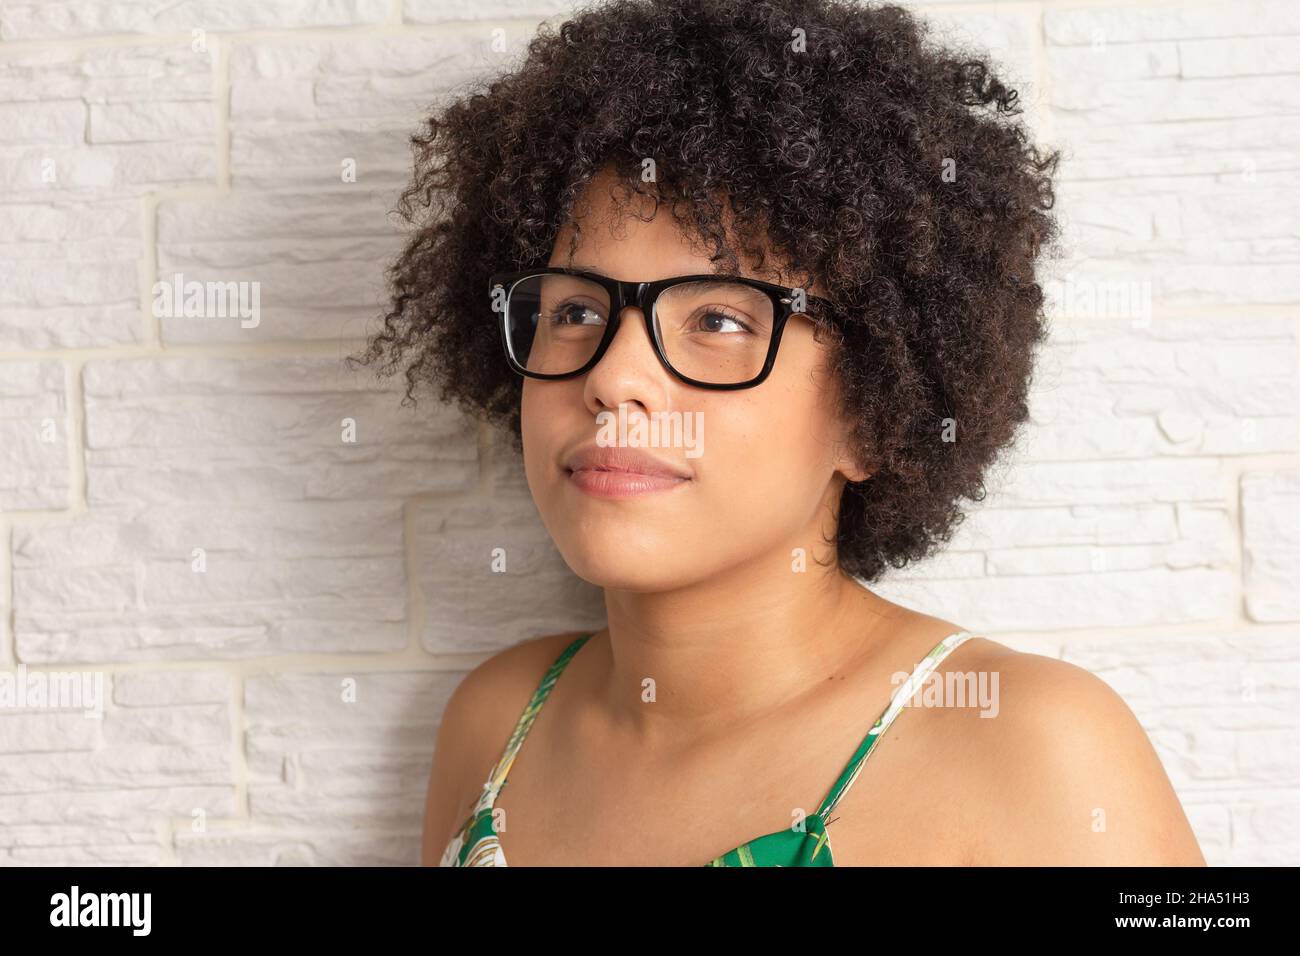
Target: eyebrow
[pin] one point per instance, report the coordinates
(581, 267)
(578, 267)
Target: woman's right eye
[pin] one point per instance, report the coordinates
(575, 313)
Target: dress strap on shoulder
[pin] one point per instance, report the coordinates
(897, 702)
(497, 779)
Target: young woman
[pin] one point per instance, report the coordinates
(801, 240)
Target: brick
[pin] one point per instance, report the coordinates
(170, 688)
(84, 134)
(1221, 705)
(1165, 176)
(110, 843)
(323, 763)
(264, 430)
(48, 731)
(153, 105)
(299, 109)
(317, 260)
(1030, 602)
(1270, 521)
(470, 606)
(148, 122)
(64, 19)
(1192, 387)
(301, 532)
(1264, 829)
(1238, 56)
(47, 811)
(58, 123)
(257, 846)
(438, 11)
(97, 790)
(1136, 22)
(35, 455)
(125, 588)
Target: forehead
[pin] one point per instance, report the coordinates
(629, 234)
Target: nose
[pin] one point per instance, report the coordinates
(630, 340)
(630, 370)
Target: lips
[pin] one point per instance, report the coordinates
(627, 461)
(622, 472)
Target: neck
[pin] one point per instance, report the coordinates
(733, 647)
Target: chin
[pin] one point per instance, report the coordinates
(620, 563)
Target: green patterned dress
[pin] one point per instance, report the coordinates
(805, 843)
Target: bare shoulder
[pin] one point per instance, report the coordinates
(1058, 770)
(474, 728)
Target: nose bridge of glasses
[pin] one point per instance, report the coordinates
(629, 294)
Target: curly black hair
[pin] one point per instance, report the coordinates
(895, 172)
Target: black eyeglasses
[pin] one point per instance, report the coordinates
(711, 331)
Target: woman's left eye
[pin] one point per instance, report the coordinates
(722, 318)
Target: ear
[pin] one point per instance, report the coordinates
(847, 465)
(845, 459)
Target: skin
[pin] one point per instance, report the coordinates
(766, 678)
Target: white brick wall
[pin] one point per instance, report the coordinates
(279, 705)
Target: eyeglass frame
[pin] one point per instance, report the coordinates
(629, 292)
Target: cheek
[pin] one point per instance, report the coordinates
(764, 453)
(540, 423)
